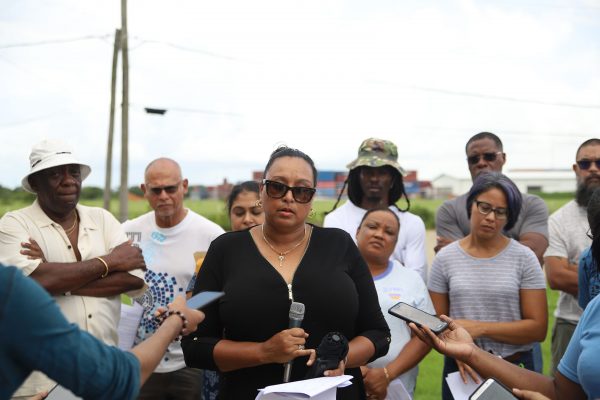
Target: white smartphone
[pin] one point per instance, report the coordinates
(411, 314)
(203, 299)
(491, 389)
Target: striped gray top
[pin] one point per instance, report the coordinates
(487, 289)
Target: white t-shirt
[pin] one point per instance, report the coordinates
(410, 249)
(171, 255)
(396, 284)
(568, 227)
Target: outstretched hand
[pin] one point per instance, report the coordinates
(454, 342)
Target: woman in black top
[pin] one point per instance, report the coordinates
(262, 270)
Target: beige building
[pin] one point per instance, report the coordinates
(527, 180)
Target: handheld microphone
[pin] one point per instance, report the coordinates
(296, 317)
(332, 350)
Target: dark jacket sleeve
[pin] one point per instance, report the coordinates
(42, 339)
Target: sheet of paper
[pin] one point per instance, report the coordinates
(323, 388)
(128, 325)
(459, 389)
(397, 391)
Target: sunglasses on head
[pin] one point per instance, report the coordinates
(586, 164)
(277, 190)
(157, 190)
(489, 157)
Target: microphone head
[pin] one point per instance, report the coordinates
(297, 311)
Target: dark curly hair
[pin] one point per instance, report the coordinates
(284, 151)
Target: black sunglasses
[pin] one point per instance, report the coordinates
(586, 164)
(169, 189)
(489, 157)
(277, 190)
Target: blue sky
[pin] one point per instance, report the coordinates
(241, 77)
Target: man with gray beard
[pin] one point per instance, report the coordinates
(568, 228)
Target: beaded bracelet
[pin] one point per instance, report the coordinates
(167, 314)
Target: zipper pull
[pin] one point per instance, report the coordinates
(290, 294)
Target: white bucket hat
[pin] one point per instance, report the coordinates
(51, 153)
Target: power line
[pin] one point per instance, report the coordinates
(183, 48)
(489, 96)
(52, 41)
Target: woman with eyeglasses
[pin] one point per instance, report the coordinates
(263, 270)
(490, 284)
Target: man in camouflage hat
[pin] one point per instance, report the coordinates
(375, 181)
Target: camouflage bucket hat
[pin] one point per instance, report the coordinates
(375, 152)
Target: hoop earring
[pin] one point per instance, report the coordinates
(258, 204)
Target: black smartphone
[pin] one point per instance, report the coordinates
(202, 299)
(419, 317)
(491, 389)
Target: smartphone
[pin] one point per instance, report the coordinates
(491, 389)
(203, 299)
(60, 393)
(412, 314)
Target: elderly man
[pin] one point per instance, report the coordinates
(374, 181)
(173, 239)
(485, 154)
(568, 239)
(79, 254)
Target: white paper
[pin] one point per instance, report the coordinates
(324, 388)
(128, 325)
(459, 389)
(397, 391)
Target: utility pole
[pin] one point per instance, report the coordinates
(123, 192)
(111, 122)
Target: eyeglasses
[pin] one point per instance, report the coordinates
(588, 233)
(489, 157)
(586, 164)
(486, 208)
(277, 190)
(169, 189)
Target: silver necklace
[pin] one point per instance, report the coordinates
(281, 254)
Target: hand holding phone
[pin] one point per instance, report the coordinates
(420, 318)
(491, 389)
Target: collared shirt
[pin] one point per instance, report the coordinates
(99, 234)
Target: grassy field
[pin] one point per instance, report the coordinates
(429, 381)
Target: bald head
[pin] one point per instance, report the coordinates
(164, 188)
(165, 165)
